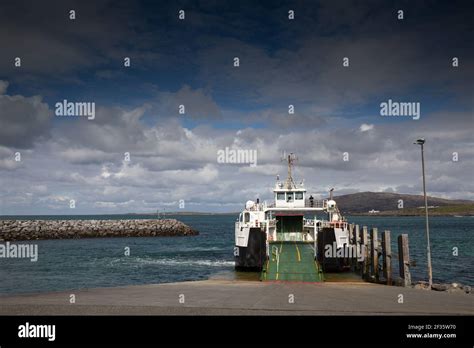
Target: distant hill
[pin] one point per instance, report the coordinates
(183, 213)
(363, 202)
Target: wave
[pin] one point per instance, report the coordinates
(171, 262)
(201, 249)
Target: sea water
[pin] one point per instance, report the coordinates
(101, 262)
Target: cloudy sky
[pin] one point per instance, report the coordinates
(190, 62)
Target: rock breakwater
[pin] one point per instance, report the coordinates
(11, 230)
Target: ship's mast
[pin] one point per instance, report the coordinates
(290, 184)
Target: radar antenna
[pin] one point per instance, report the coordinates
(291, 159)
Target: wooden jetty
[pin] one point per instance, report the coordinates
(376, 265)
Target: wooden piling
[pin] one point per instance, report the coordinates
(351, 260)
(351, 234)
(404, 259)
(374, 254)
(358, 247)
(364, 245)
(387, 257)
(357, 234)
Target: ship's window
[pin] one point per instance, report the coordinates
(246, 217)
(289, 197)
(280, 196)
(240, 217)
(298, 195)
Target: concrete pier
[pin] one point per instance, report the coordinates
(236, 297)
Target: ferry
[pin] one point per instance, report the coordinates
(286, 239)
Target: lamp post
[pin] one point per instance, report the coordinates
(421, 142)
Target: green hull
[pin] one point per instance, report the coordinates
(292, 261)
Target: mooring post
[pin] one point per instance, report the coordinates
(374, 253)
(351, 243)
(404, 259)
(351, 234)
(357, 234)
(357, 245)
(365, 244)
(387, 256)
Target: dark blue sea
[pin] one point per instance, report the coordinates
(89, 263)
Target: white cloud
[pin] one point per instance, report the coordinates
(169, 162)
(85, 155)
(366, 127)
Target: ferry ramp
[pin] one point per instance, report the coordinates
(291, 261)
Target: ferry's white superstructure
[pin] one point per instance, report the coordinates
(293, 218)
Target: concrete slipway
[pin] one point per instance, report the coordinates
(237, 297)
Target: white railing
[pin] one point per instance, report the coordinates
(315, 203)
(307, 204)
(334, 224)
(290, 237)
(257, 207)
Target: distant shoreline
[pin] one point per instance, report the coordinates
(448, 211)
(355, 204)
(162, 216)
(150, 215)
(408, 215)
